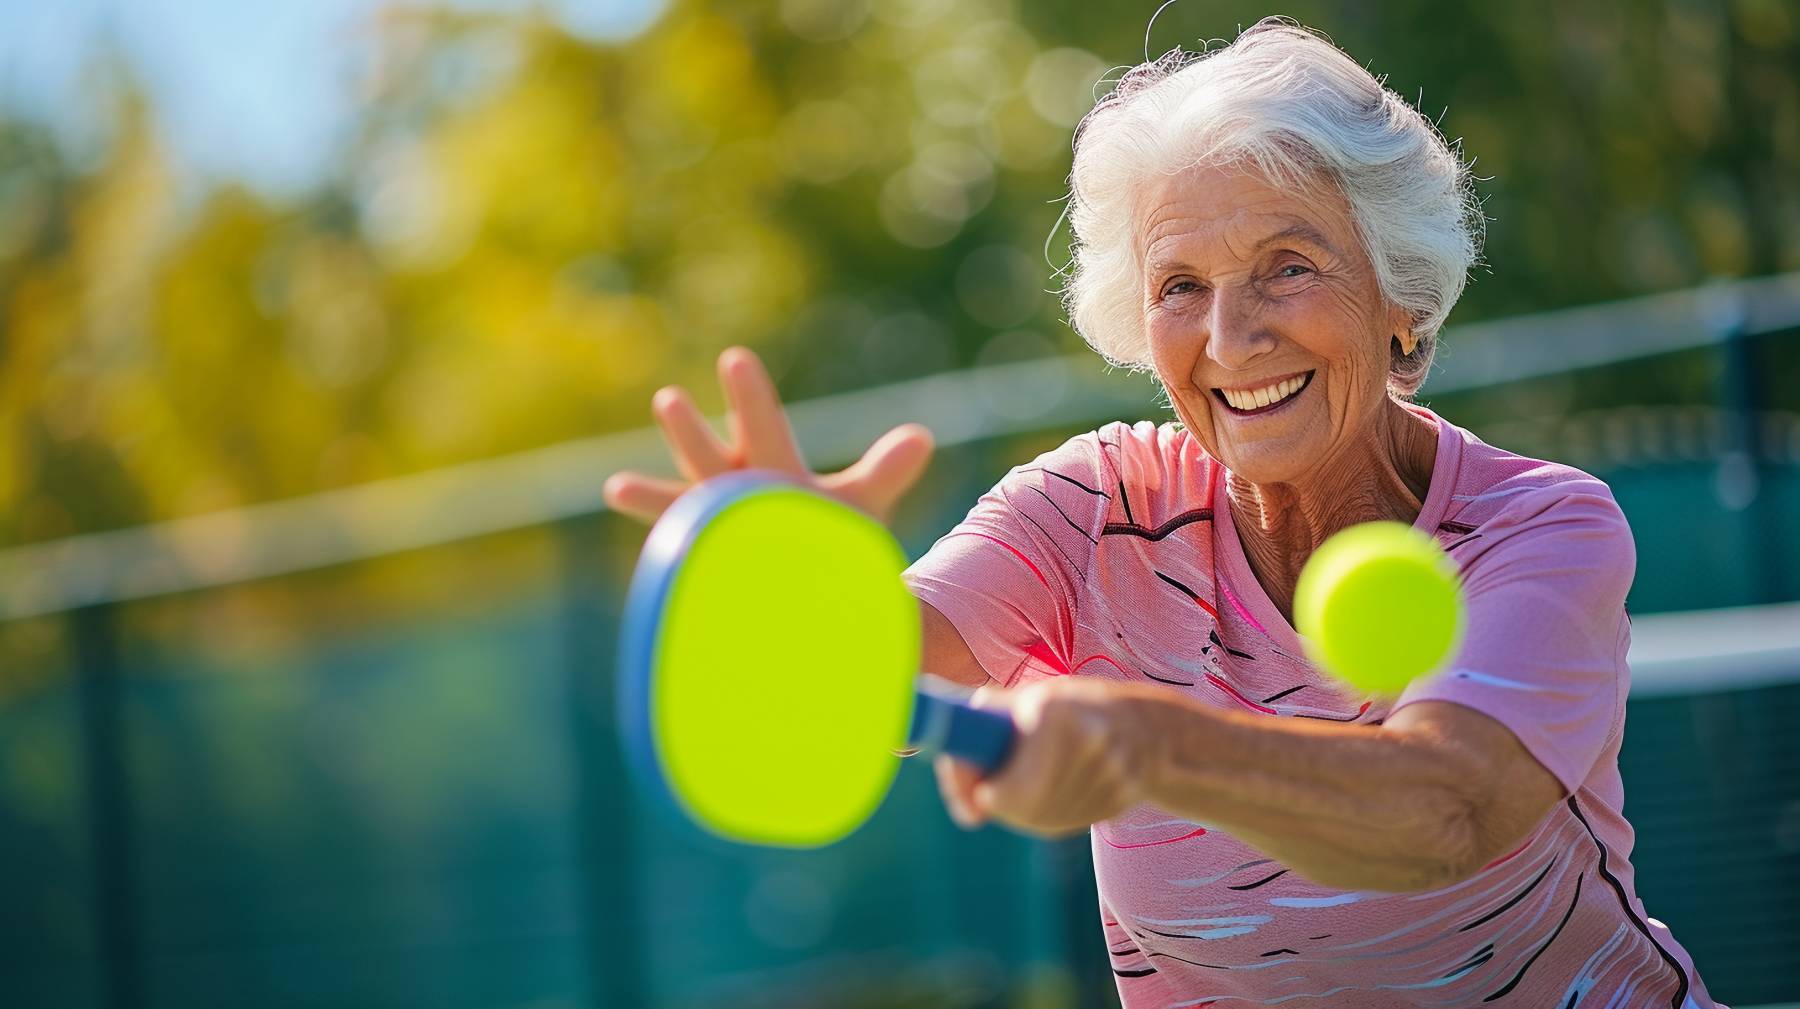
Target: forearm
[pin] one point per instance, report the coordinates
(1350, 806)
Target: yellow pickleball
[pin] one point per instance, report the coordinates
(1379, 605)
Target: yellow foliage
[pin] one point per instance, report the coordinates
(528, 234)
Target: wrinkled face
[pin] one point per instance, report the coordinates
(1265, 322)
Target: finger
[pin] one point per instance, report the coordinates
(890, 467)
(639, 496)
(1005, 795)
(993, 697)
(956, 782)
(982, 796)
(759, 427)
(1019, 804)
(697, 450)
(1007, 792)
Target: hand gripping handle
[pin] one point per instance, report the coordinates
(944, 724)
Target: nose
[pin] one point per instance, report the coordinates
(1235, 335)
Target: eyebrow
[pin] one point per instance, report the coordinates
(1298, 230)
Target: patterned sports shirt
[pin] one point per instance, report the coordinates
(1115, 556)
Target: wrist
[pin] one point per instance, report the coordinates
(1142, 732)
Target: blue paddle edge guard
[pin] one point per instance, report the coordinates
(667, 546)
(944, 724)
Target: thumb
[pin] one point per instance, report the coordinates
(957, 782)
(886, 471)
(981, 797)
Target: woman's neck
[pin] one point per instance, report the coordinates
(1384, 476)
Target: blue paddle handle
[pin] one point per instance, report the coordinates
(943, 724)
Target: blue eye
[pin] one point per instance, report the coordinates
(1180, 287)
(1292, 266)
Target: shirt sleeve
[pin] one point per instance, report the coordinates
(1546, 633)
(1010, 575)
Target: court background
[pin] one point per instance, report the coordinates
(323, 324)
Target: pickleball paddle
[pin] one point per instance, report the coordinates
(769, 665)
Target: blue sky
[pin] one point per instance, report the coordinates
(261, 92)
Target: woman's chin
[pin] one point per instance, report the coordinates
(1279, 444)
(1265, 473)
(1261, 460)
(1268, 464)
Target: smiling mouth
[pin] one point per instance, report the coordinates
(1269, 398)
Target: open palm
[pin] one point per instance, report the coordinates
(761, 438)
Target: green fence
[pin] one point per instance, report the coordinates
(431, 813)
(387, 776)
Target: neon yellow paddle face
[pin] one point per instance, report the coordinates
(783, 672)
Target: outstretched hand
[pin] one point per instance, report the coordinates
(761, 438)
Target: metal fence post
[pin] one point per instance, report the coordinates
(609, 899)
(109, 816)
(1741, 481)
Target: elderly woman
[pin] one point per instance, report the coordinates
(1279, 239)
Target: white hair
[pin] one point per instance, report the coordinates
(1290, 105)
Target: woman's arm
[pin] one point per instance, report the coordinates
(1421, 802)
(945, 654)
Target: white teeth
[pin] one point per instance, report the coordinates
(1256, 399)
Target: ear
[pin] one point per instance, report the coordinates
(1400, 323)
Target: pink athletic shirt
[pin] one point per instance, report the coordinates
(1114, 556)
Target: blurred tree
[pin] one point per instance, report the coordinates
(533, 231)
